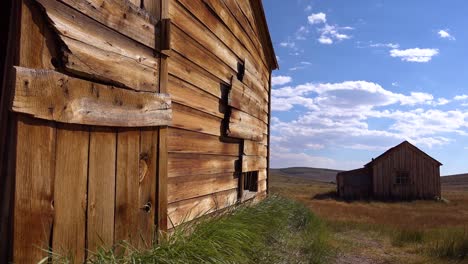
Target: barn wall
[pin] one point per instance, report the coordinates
(76, 187)
(424, 175)
(355, 184)
(209, 39)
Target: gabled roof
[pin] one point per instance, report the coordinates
(267, 44)
(397, 147)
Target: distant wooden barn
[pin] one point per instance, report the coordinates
(402, 172)
(121, 118)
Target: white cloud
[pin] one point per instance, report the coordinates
(280, 80)
(445, 34)
(460, 97)
(288, 44)
(325, 40)
(385, 45)
(329, 33)
(317, 18)
(315, 146)
(414, 55)
(395, 84)
(339, 115)
(308, 8)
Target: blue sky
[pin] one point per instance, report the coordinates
(357, 77)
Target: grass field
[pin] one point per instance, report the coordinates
(380, 232)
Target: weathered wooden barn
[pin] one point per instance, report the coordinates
(402, 172)
(122, 118)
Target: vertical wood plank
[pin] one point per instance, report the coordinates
(71, 171)
(147, 186)
(101, 188)
(153, 7)
(162, 141)
(34, 170)
(126, 203)
(33, 214)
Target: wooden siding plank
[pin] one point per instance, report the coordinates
(70, 191)
(253, 163)
(192, 27)
(122, 17)
(101, 188)
(181, 164)
(191, 73)
(194, 120)
(127, 207)
(191, 96)
(183, 141)
(253, 148)
(187, 47)
(33, 211)
(187, 187)
(243, 99)
(162, 140)
(242, 125)
(147, 186)
(153, 7)
(222, 11)
(187, 210)
(34, 171)
(54, 96)
(94, 51)
(205, 12)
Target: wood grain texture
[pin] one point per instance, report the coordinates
(127, 203)
(182, 188)
(253, 163)
(54, 96)
(184, 141)
(101, 188)
(34, 171)
(70, 191)
(187, 210)
(121, 16)
(217, 18)
(181, 164)
(94, 51)
(194, 120)
(188, 71)
(147, 186)
(244, 99)
(253, 148)
(188, 95)
(242, 125)
(34, 190)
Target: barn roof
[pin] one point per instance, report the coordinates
(267, 44)
(399, 146)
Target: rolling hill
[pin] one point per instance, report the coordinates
(317, 174)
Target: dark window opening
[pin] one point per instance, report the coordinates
(402, 177)
(240, 70)
(250, 180)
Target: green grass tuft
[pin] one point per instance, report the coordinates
(450, 244)
(276, 230)
(405, 236)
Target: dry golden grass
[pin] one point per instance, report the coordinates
(412, 215)
(381, 232)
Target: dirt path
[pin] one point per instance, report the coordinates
(357, 247)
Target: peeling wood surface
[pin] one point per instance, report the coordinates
(242, 125)
(54, 96)
(122, 16)
(94, 51)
